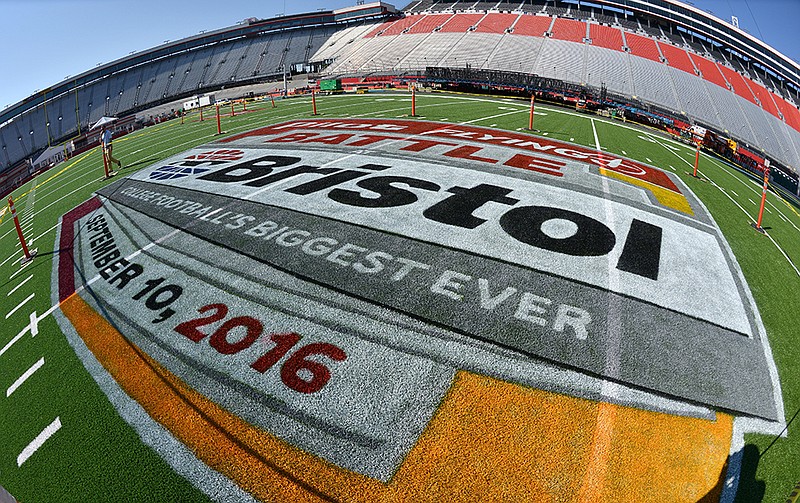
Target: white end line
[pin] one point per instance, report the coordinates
(24, 377)
(37, 442)
(20, 305)
(15, 288)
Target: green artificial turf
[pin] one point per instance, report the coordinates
(97, 456)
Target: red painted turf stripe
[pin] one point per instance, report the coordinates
(66, 260)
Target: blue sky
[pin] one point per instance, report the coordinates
(43, 41)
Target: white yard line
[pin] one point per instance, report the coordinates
(82, 187)
(20, 305)
(596, 140)
(24, 377)
(16, 287)
(19, 271)
(15, 254)
(37, 442)
(13, 341)
(33, 327)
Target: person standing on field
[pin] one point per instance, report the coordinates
(105, 141)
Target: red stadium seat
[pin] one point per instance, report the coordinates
(677, 58)
(461, 22)
(643, 46)
(709, 70)
(605, 36)
(497, 23)
(401, 24)
(739, 86)
(570, 30)
(532, 25)
(429, 22)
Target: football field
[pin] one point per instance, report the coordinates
(361, 305)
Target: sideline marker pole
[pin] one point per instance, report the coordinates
(272, 99)
(201, 114)
(763, 196)
(314, 102)
(233, 113)
(219, 125)
(530, 115)
(414, 100)
(696, 160)
(244, 105)
(28, 255)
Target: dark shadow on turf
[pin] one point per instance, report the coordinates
(34, 265)
(749, 490)
(137, 163)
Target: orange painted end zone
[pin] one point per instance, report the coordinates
(489, 440)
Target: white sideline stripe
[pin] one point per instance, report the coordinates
(490, 117)
(20, 305)
(9, 258)
(40, 439)
(746, 214)
(24, 377)
(82, 187)
(756, 190)
(596, 140)
(12, 341)
(16, 287)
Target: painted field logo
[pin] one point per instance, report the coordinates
(190, 164)
(363, 307)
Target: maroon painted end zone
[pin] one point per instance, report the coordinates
(66, 266)
(384, 129)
